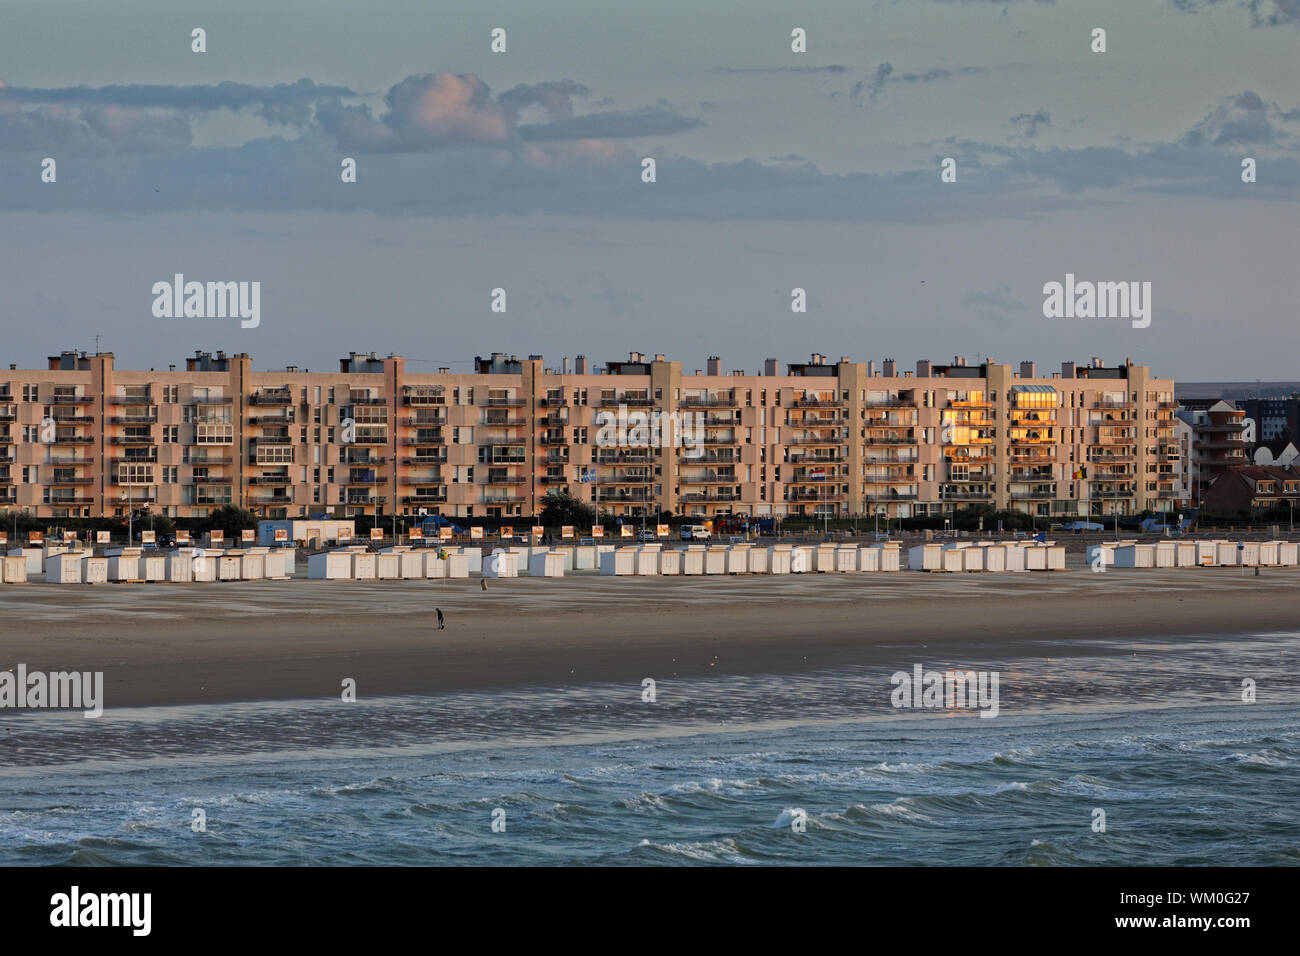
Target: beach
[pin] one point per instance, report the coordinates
(299, 639)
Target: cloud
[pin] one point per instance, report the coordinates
(996, 305)
(425, 111)
(829, 68)
(1241, 120)
(282, 104)
(1028, 124)
(1263, 13)
(885, 75)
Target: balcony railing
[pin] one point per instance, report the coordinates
(696, 401)
(506, 402)
(271, 398)
(72, 400)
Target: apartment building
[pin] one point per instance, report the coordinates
(1216, 436)
(819, 438)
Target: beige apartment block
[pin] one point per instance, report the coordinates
(645, 437)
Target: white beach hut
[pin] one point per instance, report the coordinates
(545, 564)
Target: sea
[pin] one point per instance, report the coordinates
(1170, 751)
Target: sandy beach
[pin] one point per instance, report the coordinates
(178, 644)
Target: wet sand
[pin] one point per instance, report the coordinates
(179, 644)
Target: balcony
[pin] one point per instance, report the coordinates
(799, 442)
(510, 500)
(281, 480)
(506, 480)
(354, 462)
(970, 403)
(131, 459)
(8, 415)
(506, 402)
(81, 440)
(271, 397)
(423, 399)
(423, 441)
(280, 418)
(201, 462)
(638, 401)
(367, 438)
(553, 402)
(437, 418)
(1037, 494)
(371, 400)
(278, 500)
(73, 481)
(504, 422)
(909, 441)
(1114, 404)
(795, 494)
(960, 494)
(604, 457)
(716, 401)
(433, 499)
(719, 440)
(816, 403)
(270, 440)
(72, 400)
(78, 500)
(417, 460)
(503, 443)
(214, 480)
(693, 497)
(1108, 493)
(146, 419)
(888, 403)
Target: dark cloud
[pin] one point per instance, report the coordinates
(1263, 13)
(996, 305)
(648, 121)
(1028, 124)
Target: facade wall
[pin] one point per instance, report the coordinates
(839, 439)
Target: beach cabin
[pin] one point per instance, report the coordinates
(715, 560)
(545, 564)
(759, 560)
(434, 566)
(995, 558)
(94, 570)
(13, 569)
(693, 560)
(1248, 553)
(1288, 554)
(738, 559)
(618, 562)
(1225, 554)
(890, 556)
(1036, 557)
(330, 566)
(647, 560)
(1135, 556)
(778, 559)
(670, 562)
(364, 566)
(925, 557)
(1268, 553)
(124, 564)
(869, 559)
(846, 559)
(972, 559)
(458, 565)
(35, 559)
(823, 558)
(154, 567)
(63, 568)
(501, 563)
(1184, 554)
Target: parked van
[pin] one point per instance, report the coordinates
(695, 532)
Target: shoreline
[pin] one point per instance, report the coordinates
(297, 640)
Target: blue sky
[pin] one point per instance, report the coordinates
(775, 170)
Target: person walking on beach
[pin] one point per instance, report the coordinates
(440, 622)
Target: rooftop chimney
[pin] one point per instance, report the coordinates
(714, 365)
(769, 366)
(890, 368)
(1067, 370)
(566, 365)
(580, 365)
(922, 368)
(1027, 370)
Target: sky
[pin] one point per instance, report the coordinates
(775, 170)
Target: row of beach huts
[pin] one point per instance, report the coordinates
(72, 565)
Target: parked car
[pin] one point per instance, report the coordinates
(695, 532)
(647, 535)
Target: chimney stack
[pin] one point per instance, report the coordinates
(580, 365)
(769, 366)
(714, 365)
(1027, 370)
(922, 368)
(890, 368)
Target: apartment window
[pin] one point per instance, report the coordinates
(29, 475)
(171, 434)
(302, 435)
(304, 395)
(329, 475)
(331, 395)
(316, 413)
(580, 436)
(171, 394)
(315, 435)
(29, 394)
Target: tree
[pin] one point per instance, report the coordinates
(230, 520)
(561, 508)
